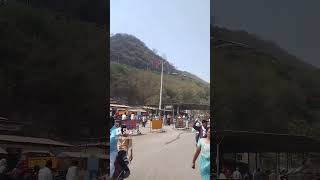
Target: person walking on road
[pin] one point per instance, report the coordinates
(168, 119)
(114, 134)
(164, 118)
(202, 130)
(144, 121)
(204, 163)
(124, 150)
(125, 143)
(198, 124)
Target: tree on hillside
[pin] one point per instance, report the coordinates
(141, 87)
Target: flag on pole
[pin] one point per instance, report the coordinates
(156, 63)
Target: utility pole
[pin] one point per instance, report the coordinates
(161, 88)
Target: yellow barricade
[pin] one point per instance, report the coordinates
(156, 124)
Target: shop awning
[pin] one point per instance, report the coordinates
(189, 106)
(83, 155)
(150, 108)
(244, 141)
(36, 151)
(119, 106)
(74, 155)
(137, 110)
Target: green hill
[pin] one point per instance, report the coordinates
(141, 87)
(260, 87)
(135, 75)
(127, 49)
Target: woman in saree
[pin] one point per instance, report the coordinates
(203, 148)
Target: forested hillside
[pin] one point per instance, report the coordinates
(141, 87)
(127, 49)
(53, 73)
(135, 75)
(260, 87)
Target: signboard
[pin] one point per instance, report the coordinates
(41, 162)
(156, 124)
(169, 107)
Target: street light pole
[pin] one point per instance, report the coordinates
(161, 88)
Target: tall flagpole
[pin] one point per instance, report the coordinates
(161, 89)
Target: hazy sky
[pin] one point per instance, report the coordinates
(292, 24)
(180, 29)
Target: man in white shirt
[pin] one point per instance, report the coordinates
(45, 173)
(73, 173)
(168, 119)
(133, 116)
(144, 120)
(222, 176)
(236, 174)
(124, 116)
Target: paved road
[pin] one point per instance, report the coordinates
(161, 156)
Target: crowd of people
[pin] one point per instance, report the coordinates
(143, 118)
(17, 173)
(121, 150)
(256, 175)
(21, 172)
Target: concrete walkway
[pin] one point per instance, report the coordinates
(163, 156)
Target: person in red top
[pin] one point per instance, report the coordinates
(19, 172)
(228, 173)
